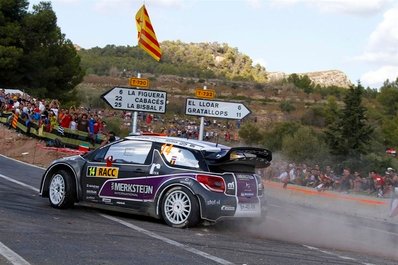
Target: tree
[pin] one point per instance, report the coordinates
(250, 134)
(273, 137)
(301, 81)
(350, 134)
(44, 62)
(304, 146)
(331, 110)
(12, 14)
(388, 97)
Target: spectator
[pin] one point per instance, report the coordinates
(82, 124)
(90, 129)
(346, 180)
(377, 183)
(110, 138)
(284, 177)
(74, 121)
(65, 118)
(292, 173)
(357, 182)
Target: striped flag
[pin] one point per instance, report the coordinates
(146, 35)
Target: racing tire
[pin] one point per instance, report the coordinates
(180, 208)
(62, 190)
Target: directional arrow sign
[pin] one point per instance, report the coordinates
(124, 98)
(216, 109)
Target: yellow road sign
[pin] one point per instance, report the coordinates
(138, 82)
(205, 93)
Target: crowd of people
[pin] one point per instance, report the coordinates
(50, 116)
(327, 179)
(47, 115)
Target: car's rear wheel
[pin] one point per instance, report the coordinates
(180, 208)
(62, 190)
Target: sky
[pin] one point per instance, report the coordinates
(358, 37)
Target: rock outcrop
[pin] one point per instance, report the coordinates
(322, 78)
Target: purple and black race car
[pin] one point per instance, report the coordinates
(181, 181)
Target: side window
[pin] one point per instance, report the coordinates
(177, 156)
(134, 152)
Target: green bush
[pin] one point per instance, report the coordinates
(287, 106)
(250, 133)
(304, 146)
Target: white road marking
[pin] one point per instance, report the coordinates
(335, 254)
(19, 183)
(169, 241)
(11, 256)
(22, 162)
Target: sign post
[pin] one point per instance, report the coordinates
(215, 109)
(202, 123)
(125, 98)
(139, 82)
(135, 99)
(205, 93)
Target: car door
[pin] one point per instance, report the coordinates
(116, 175)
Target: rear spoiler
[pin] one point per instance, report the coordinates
(239, 159)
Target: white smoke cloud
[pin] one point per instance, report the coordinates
(378, 76)
(382, 50)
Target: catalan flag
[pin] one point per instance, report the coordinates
(146, 35)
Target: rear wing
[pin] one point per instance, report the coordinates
(239, 159)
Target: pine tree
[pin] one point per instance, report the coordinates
(34, 54)
(350, 133)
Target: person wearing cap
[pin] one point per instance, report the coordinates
(390, 174)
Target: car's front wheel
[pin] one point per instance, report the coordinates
(180, 208)
(62, 190)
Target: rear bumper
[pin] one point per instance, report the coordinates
(227, 207)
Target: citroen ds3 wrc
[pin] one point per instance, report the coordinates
(178, 180)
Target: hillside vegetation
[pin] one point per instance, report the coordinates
(201, 60)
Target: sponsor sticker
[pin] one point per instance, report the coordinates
(128, 188)
(213, 202)
(103, 172)
(227, 208)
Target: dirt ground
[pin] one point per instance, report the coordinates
(27, 149)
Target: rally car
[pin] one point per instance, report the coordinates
(178, 180)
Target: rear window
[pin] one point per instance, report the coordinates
(179, 157)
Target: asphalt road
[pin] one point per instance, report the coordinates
(31, 232)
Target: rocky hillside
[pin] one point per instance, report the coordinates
(322, 78)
